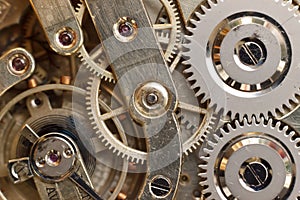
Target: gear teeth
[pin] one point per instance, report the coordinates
(92, 118)
(205, 158)
(93, 67)
(211, 144)
(199, 15)
(186, 63)
(194, 22)
(216, 137)
(195, 86)
(203, 183)
(172, 50)
(212, 4)
(297, 140)
(204, 9)
(202, 166)
(280, 110)
(279, 129)
(291, 135)
(277, 126)
(201, 135)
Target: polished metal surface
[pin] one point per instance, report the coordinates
(218, 68)
(149, 99)
(16, 65)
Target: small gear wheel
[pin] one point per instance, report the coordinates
(252, 160)
(243, 56)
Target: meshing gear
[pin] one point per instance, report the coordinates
(191, 137)
(196, 120)
(242, 55)
(168, 32)
(252, 160)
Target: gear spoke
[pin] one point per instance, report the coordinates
(170, 40)
(192, 108)
(113, 113)
(162, 26)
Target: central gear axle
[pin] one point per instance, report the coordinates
(252, 160)
(244, 57)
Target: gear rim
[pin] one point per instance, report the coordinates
(271, 129)
(174, 37)
(105, 135)
(234, 104)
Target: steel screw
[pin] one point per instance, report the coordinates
(68, 153)
(66, 38)
(160, 187)
(252, 53)
(126, 29)
(256, 175)
(21, 169)
(40, 162)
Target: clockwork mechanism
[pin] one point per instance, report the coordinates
(149, 99)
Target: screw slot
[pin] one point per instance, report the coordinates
(251, 52)
(160, 187)
(21, 169)
(256, 173)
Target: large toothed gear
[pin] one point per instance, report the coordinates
(244, 56)
(201, 119)
(196, 121)
(256, 160)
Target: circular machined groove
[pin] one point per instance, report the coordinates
(250, 52)
(244, 52)
(160, 187)
(256, 160)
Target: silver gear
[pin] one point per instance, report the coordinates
(172, 39)
(192, 135)
(252, 160)
(243, 56)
